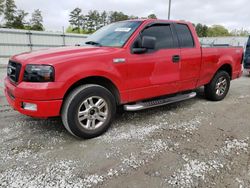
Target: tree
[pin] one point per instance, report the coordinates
(240, 32)
(19, 20)
(205, 31)
(132, 17)
(9, 13)
(104, 18)
(202, 30)
(1, 7)
(218, 31)
(152, 16)
(93, 21)
(117, 16)
(1, 10)
(36, 22)
(76, 19)
(199, 29)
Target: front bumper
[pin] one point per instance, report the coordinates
(45, 108)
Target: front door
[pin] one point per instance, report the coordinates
(156, 72)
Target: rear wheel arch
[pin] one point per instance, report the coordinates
(219, 86)
(227, 67)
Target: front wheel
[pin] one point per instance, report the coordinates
(88, 111)
(219, 86)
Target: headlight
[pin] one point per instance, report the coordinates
(39, 73)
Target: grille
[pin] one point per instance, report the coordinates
(13, 71)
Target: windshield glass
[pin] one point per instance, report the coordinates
(113, 35)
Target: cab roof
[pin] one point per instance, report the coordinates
(161, 20)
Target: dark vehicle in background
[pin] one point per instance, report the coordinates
(247, 56)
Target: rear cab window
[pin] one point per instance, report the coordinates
(185, 36)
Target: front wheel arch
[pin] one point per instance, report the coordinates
(97, 80)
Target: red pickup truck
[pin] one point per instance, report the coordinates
(136, 64)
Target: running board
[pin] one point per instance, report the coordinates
(160, 102)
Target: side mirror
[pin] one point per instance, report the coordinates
(148, 43)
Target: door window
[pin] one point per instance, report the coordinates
(163, 35)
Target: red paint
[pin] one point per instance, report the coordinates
(140, 77)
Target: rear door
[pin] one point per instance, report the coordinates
(155, 72)
(190, 51)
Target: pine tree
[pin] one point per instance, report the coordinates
(36, 22)
(76, 19)
(201, 30)
(1, 7)
(19, 20)
(9, 13)
(1, 11)
(104, 18)
(117, 16)
(93, 21)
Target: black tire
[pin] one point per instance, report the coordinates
(211, 90)
(73, 104)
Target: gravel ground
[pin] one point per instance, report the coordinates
(195, 143)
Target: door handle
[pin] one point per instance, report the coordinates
(176, 59)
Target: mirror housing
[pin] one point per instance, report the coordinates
(148, 43)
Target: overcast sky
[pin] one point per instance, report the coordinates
(230, 13)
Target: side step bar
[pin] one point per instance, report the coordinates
(160, 102)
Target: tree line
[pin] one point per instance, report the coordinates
(93, 20)
(218, 31)
(16, 18)
(12, 17)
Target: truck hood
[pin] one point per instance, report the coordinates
(62, 54)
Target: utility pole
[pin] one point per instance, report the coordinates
(169, 9)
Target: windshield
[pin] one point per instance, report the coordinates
(113, 35)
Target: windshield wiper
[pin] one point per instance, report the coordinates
(93, 43)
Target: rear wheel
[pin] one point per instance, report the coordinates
(219, 86)
(88, 111)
